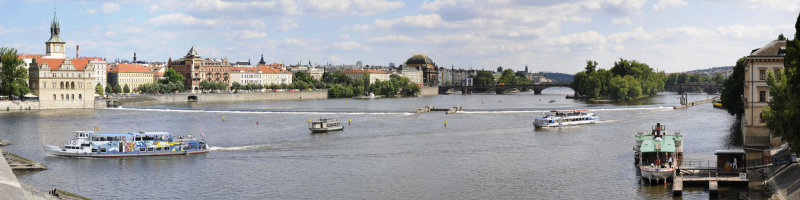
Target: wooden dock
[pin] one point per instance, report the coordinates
(704, 176)
(690, 104)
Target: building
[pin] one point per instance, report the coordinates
(132, 75)
(260, 76)
(422, 62)
(374, 75)
(413, 75)
(58, 81)
(758, 64)
(196, 69)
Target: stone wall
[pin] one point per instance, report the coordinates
(428, 91)
(18, 105)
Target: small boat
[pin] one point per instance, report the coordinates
(552, 101)
(655, 150)
(91, 144)
(717, 103)
(557, 118)
(325, 125)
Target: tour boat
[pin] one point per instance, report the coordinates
(325, 125)
(91, 144)
(654, 150)
(565, 118)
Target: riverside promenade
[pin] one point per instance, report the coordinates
(10, 188)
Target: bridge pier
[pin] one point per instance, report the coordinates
(498, 90)
(537, 91)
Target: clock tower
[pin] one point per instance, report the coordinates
(55, 47)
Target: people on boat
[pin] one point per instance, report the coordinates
(734, 163)
(670, 162)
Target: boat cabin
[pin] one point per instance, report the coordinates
(732, 161)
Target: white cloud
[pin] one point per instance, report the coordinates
(423, 21)
(781, 5)
(668, 4)
(624, 20)
(109, 8)
(391, 38)
(589, 37)
(91, 11)
(179, 19)
(244, 34)
(344, 36)
(346, 45)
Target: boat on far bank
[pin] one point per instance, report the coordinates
(325, 125)
(657, 153)
(558, 118)
(91, 144)
(717, 103)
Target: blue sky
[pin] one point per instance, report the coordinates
(545, 35)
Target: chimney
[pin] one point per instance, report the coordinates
(77, 48)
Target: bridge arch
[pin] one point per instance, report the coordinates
(192, 98)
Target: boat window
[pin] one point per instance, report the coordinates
(142, 149)
(102, 149)
(150, 149)
(166, 148)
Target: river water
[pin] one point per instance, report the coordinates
(263, 149)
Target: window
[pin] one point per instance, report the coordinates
(44, 84)
(54, 97)
(762, 96)
(80, 96)
(762, 75)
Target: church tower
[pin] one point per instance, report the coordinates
(55, 47)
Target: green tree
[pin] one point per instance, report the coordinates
(13, 75)
(235, 86)
(172, 76)
(733, 89)
(126, 89)
(98, 89)
(483, 78)
(117, 89)
(109, 89)
(783, 111)
(591, 66)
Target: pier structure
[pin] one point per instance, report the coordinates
(729, 169)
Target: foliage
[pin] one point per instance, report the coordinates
(783, 112)
(171, 76)
(339, 91)
(98, 89)
(733, 89)
(160, 87)
(206, 85)
(109, 89)
(483, 78)
(13, 75)
(126, 89)
(117, 89)
(336, 78)
(626, 80)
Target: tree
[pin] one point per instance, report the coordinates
(172, 76)
(733, 90)
(126, 89)
(484, 78)
(783, 111)
(781, 37)
(98, 89)
(13, 75)
(591, 66)
(109, 89)
(235, 86)
(117, 89)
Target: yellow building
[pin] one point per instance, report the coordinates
(759, 64)
(374, 75)
(132, 75)
(62, 83)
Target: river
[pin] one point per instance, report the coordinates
(263, 149)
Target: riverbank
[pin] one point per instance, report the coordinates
(146, 99)
(18, 106)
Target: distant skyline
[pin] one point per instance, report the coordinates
(545, 35)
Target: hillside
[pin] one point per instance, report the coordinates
(558, 77)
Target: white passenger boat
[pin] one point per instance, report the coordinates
(91, 144)
(655, 150)
(557, 118)
(325, 125)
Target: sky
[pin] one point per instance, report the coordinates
(545, 35)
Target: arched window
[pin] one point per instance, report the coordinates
(72, 97)
(80, 96)
(62, 97)
(62, 85)
(54, 97)
(72, 85)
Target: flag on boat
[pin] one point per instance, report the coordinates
(202, 136)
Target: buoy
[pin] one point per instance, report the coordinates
(256, 122)
(348, 121)
(223, 118)
(345, 101)
(445, 123)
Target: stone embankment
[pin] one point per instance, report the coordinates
(9, 185)
(694, 103)
(211, 97)
(12, 106)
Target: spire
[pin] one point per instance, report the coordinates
(55, 29)
(262, 60)
(192, 53)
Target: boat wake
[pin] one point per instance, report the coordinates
(544, 111)
(238, 148)
(264, 111)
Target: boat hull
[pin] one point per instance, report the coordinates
(574, 123)
(651, 173)
(53, 151)
(327, 129)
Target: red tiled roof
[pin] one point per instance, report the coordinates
(92, 58)
(371, 71)
(128, 68)
(256, 69)
(54, 63)
(24, 56)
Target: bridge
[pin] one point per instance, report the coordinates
(500, 89)
(709, 88)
